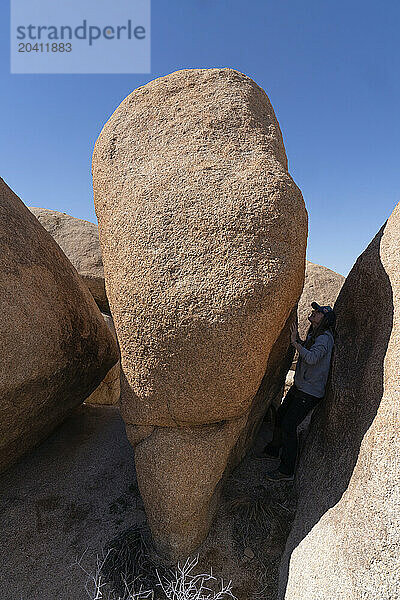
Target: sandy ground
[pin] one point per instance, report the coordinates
(72, 494)
(77, 491)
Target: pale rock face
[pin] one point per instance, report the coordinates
(345, 541)
(321, 285)
(203, 236)
(79, 240)
(55, 346)
(109, 390)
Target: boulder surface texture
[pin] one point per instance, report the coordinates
(345, 541)
(55, 346)
(79, 240)
(203, 235)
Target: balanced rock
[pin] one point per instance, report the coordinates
(321, 285)
(55, 345)
(79, 240)
(345, 541)
(203, 236)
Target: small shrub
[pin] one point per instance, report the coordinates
(128, 570)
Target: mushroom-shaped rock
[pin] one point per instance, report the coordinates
(79, 240)
(203, 235)
(55, 346)
(345, 540)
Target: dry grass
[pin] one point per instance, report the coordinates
(261, 523)
(130, 570)
(184, 585)
(130, 560)
(258, 519)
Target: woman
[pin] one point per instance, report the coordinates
(308, 390)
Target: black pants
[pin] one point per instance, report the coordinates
(295, 407)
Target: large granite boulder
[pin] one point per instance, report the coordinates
(203, 236)
(56, 347)
(321, 285)
(345, 542)
(79, 240)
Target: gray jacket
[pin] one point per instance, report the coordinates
(313, 366)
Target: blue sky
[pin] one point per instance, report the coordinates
(330, 69)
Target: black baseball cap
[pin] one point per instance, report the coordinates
(326, 310)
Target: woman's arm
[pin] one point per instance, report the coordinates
(316, 352)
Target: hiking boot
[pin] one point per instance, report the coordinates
(277, 475)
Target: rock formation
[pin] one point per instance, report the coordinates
(108, 392)
(320, 285)
(55, 346)
(203, 236)
(345, 542)
(79, 240)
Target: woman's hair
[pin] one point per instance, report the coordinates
(324, 325)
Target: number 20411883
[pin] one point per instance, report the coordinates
(47, 47)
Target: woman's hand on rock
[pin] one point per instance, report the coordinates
(293, 333)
